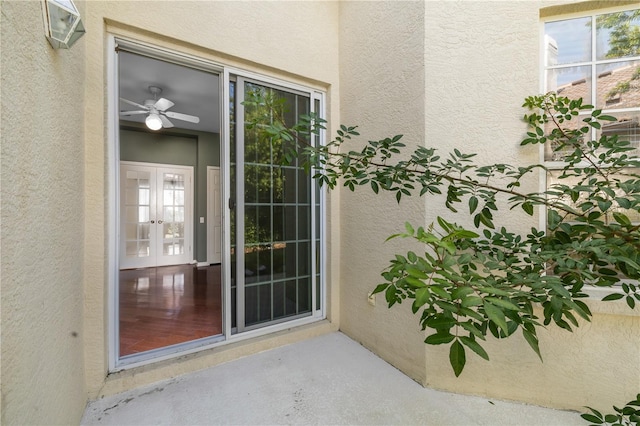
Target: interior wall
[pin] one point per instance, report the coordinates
(178, 147)
(224, 36)
(382, 68)
(42, 216)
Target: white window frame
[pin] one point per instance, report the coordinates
(592, 291)
(226, 73)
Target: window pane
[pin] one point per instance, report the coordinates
(618, 35)
(627, 127)
(572, 82)
(633, 215)
(568, 41)
(618, 85)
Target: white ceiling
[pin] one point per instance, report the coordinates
(193, 92)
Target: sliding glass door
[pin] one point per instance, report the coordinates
(213, 234)
(273, 276)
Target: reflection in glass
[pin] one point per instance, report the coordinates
(572, 82)
(618, 85)
(277, 204)
(626, 127)
(136, 213)
(633, 215)
(614, 35)
(568, 41)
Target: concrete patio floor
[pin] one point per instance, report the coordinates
(328, 380)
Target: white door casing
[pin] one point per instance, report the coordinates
(214, 216)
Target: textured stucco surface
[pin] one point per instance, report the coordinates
(480, 66)
(280, 39)
(480, 62)
(444, 74)
(42, 222)
(382, 70)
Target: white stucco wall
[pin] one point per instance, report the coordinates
(42, 168)
(479, 61)
(444, 74)
(295, 41)
(382, 83)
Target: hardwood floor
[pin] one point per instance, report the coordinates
(167, 305)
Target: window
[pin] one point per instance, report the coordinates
(596, 58)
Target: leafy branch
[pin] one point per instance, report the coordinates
(469, 284)
(628, 415)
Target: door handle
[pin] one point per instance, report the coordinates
(153, 221)
(159, 222)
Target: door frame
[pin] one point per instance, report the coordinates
(226, 73)
(211, 221)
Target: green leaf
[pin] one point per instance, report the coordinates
(474, 346)
(457, 357)
(611, 418)
(621, 218)
(374, 186)
(528, 208)
(414, 271)
(595, 412)
(461, 292)
(591, 418)
(439, 338)
(473, 204)
(503, 303)
(532, 340)
(414, 282)
(471, 301)
(409, 228)
(471, 328)
(440, 322)
(440, 292)
(631, 302)
(422, 296)
(496, 315)
(613, 296)
(380, 288)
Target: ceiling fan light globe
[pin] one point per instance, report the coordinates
(153, 122)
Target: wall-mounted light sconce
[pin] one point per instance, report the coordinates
(63, 25)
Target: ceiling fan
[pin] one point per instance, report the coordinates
(157, 111)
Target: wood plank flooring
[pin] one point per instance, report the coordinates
(167, 305)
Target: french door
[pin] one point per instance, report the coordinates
(156, 215)
(275, 241)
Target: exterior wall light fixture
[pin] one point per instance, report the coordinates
(62, 22)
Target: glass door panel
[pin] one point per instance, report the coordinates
(156, 218)
(272, 278)
(137, 203)
(174, 244)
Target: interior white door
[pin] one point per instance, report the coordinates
(214, 216)
(156, 215)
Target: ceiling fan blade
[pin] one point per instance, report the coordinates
(163, 104)
(183, 117)
(134, 104)
(166, 124)
(127, 113)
